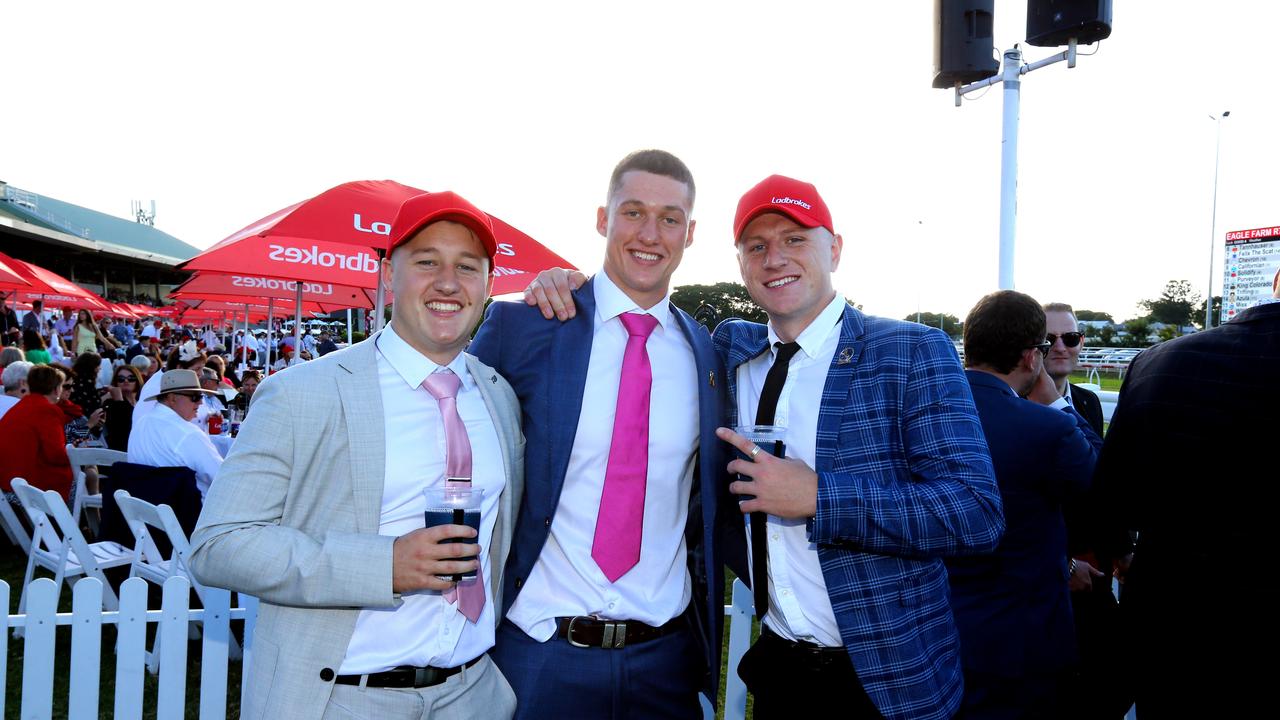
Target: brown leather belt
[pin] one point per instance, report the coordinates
(584, 632)
(406, 676)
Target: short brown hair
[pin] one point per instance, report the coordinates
(657, 162)
(1000, 327)
(45, 380)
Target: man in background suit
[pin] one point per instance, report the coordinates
(1066, 342)
(886, 473)
(614, 589)
(1103, 690)
(318, 510)
(1012, 606)
(1189, 464)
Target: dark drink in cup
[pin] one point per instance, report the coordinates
(770, 438)
(455, 504)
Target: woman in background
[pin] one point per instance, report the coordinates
(35, 348)
(32, 444)
(119, 399)
(88, 335)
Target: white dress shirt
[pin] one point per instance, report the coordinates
(799, 606)
(162, 438)
(565, 580)
(425, 629)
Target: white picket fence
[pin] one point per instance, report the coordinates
(40, 623)
(87, 617)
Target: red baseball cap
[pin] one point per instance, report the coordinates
(797, 200)
(421, 210)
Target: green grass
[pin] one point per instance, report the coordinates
(1108, 380)
(12, 568)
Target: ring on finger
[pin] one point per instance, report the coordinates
(755, 450)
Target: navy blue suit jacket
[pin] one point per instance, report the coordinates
(546, 363)
(1012, 607)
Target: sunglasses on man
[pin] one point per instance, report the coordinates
(1070, 339)
(1043, 347)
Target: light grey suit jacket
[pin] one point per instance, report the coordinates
(293, 516)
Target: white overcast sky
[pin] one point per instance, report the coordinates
(225, 112)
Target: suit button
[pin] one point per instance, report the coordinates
(326, 674)
(519, 583)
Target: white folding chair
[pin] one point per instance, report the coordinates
(58, 546)
(148, 562)
(80, 459)
(13, 527)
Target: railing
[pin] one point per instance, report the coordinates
(40, 623)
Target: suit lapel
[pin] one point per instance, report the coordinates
(748, 342)
(361, 398)
(486, 379)
(571, 354)
(835, 393)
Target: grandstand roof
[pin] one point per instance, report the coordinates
(106, 233)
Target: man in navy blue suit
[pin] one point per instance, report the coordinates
(1013, 608)
(1190, 466)
(614, 584)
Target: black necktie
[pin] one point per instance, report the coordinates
(765, 411)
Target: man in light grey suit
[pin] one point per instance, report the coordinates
(318, 510)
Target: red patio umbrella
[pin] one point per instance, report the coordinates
(339, 235)
(238, 287)
(10, 279)
(51, 287)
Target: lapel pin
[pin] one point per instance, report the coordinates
(711, 377)
(846, 357)
(493, 379)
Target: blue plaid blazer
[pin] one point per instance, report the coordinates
(904, 479)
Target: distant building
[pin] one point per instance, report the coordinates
(120, 259)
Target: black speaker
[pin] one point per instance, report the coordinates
(963, 44)
(1051, 23)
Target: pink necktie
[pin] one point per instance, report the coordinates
(443, 386)
(619, 524)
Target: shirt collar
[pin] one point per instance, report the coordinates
(412, 366)
(612, 302)
(816, 334)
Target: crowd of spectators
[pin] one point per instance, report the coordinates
(71, 378)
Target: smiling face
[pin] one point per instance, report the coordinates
(787, 270)
(441, 279)
(647, 226)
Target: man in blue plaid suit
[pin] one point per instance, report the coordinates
(886, 472)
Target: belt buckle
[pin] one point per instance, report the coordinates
(424, 677)
(614, 636)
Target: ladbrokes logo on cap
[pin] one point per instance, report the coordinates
(791, 201)
(358, 262)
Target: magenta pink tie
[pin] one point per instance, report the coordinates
(443, 386)
(620, 523)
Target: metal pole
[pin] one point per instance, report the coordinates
(348, 326)
(1009, 165)
(380, 298)
(271, 332)
(1213, 223)
(297, 323)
